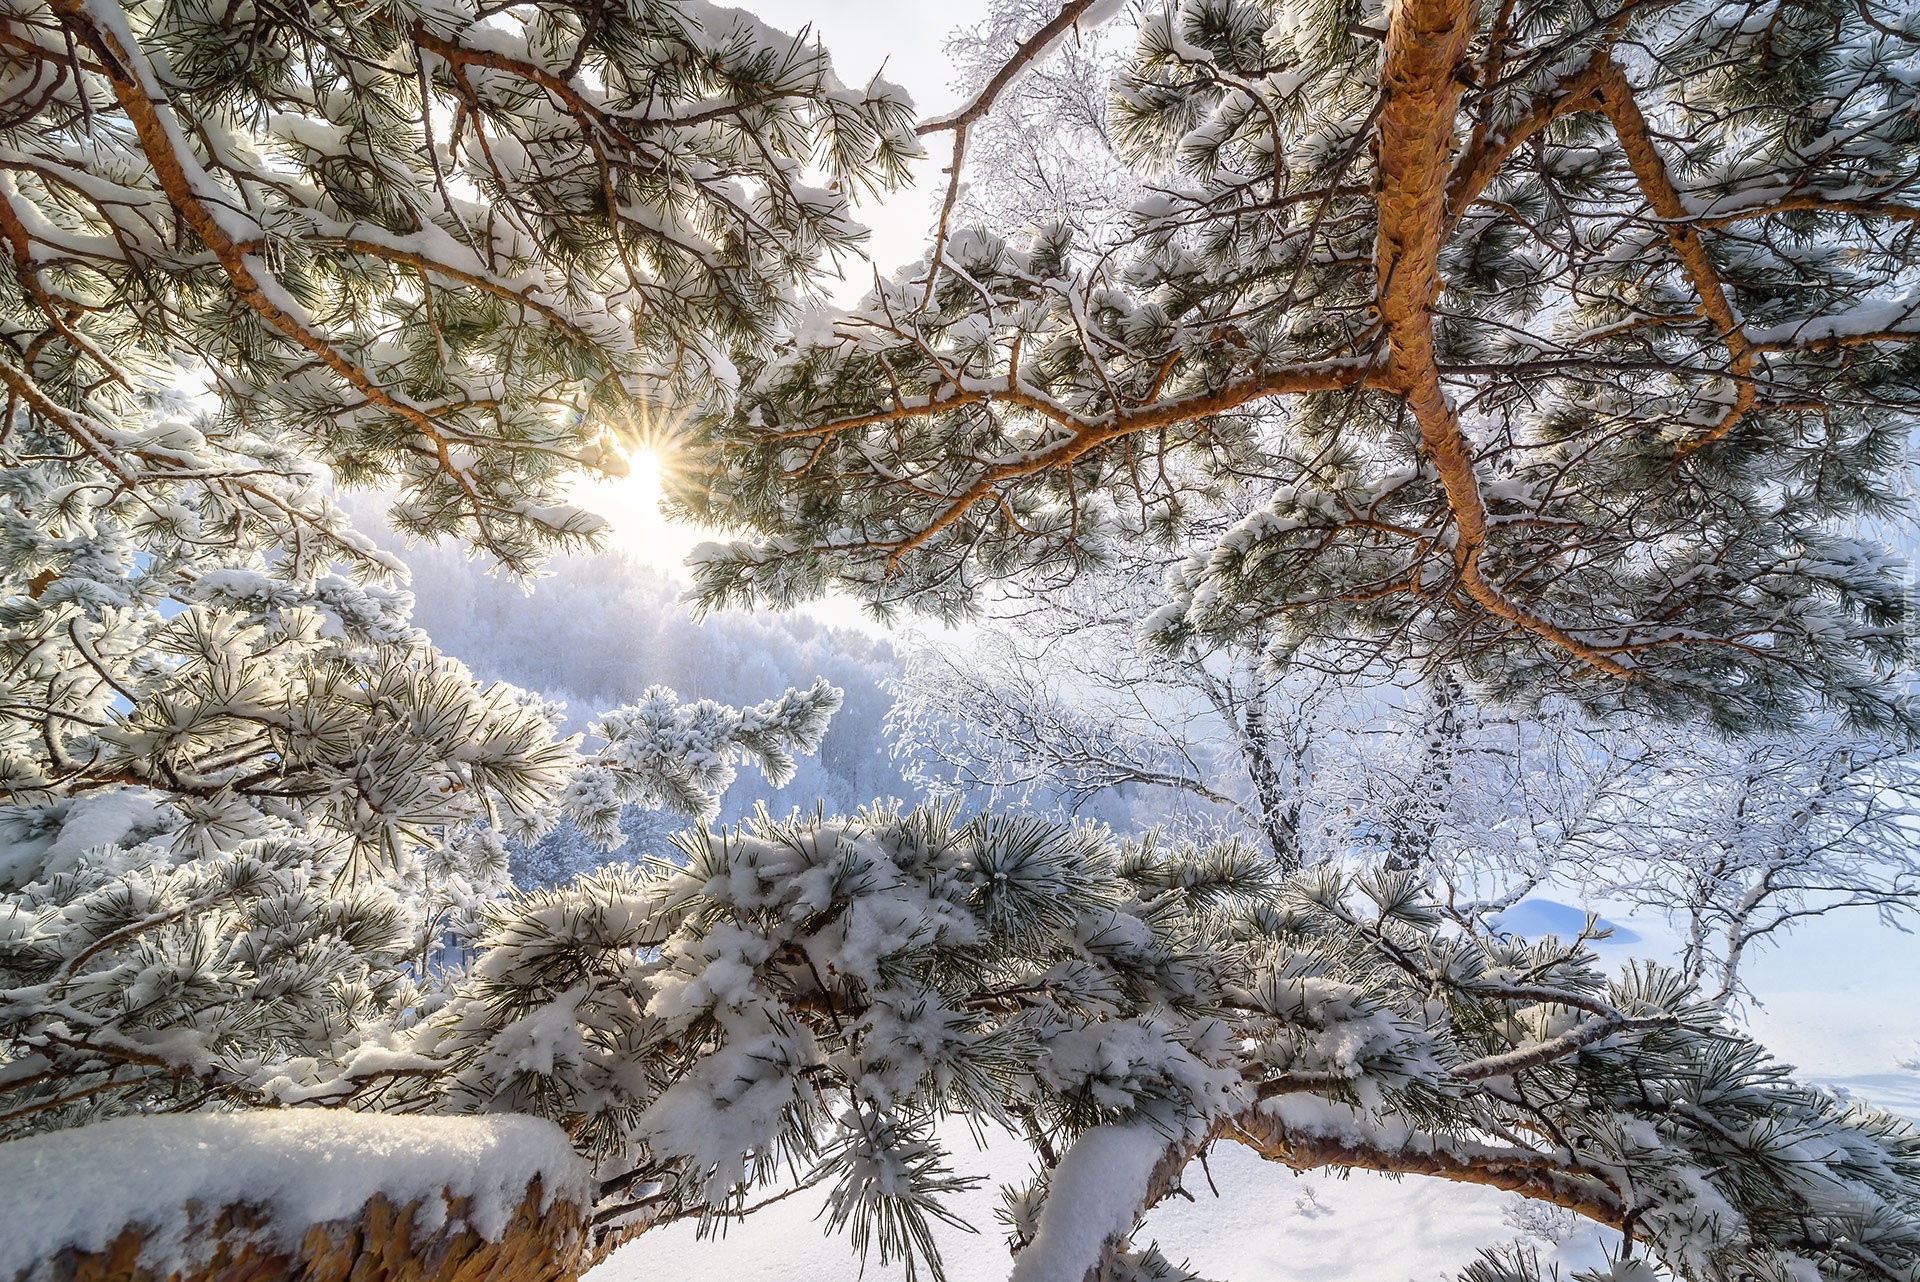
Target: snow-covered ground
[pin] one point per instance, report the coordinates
(1841, 1002)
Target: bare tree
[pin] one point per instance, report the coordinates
(1060, 699)
(1740, 843)
(1050, 155)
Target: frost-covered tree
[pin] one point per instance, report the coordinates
(1565, 350)
(1489, 803)
(255, 253)
(1057, 703)
(457, 251)
(454, 249)
(152, 961)
(563, 852)
(1567, 345)
(803, 1003)
(1740, 843)
(1049, 154)
(613, 623)
(1736, 842)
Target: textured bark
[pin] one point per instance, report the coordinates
(1420, 100)
(1542, 1177)
(1414, 815)
(1279, 804)
(382, 1245)
(1656, 184)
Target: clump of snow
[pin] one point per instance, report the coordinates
(41, 842)
(1092, 1199)
(79, 1188)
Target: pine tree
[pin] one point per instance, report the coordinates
(257, 823)
(256, 253)
(1569, 346)
(805, 1001)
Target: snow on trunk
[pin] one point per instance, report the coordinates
(1093, 1197)
(315, 1194)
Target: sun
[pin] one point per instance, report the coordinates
(649, 440)
(631, 503)
(643, 476)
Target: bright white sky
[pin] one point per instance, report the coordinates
(906, 38)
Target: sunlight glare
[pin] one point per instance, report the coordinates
(631, 503)
(643, 475)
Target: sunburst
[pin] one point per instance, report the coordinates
(632, 493)
(650, 440)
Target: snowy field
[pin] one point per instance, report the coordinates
(1841, 1002)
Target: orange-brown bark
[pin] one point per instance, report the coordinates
(383, 1244)
(1536, 1177)
(1420, 100)
(148, 112)
(1541, 1177)
(1657, 185)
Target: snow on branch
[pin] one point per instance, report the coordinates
(166, 1179)
(1472, 317)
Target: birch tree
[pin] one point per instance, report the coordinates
(1740, 844)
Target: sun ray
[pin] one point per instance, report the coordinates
(646, 450)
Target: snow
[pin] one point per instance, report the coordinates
(1876, 316)
(1535, 918)
(1266, 1225)
(120, 817)
(1091, 1198)
(1838, 1001)
(1841, 1001)
(80, 1188)
(1270, 1225)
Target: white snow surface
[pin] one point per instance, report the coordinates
(116, 816)
(80, 1188)
(1091, 1197)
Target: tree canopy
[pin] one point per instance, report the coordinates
(1566, 345)
(451, 249)
(1562, 346)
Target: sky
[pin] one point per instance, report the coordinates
(906, 39)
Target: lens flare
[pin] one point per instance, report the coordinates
(647, 444)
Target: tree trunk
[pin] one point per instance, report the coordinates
(1411, 819)
(1279, 812)
(385, 1243)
